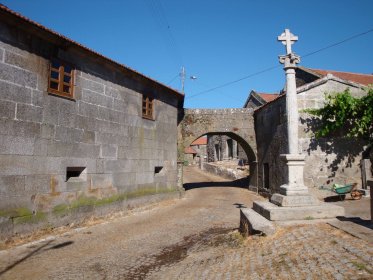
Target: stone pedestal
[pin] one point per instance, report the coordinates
(294, 193)
(294, 202)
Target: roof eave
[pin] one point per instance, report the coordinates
(49, 34)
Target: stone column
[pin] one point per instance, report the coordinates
(291, 109)
(294, 192)
(234, 155)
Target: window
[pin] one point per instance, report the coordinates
(147, 107)
(61, 79)
(77, 172)
(158, 169)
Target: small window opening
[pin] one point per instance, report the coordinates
(147, 107)
(61, 79)
(158, 169)
(74, 172)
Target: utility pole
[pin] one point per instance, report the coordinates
(182, 77)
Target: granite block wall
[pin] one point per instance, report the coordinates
(58, 155)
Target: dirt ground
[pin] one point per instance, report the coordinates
(192, 238)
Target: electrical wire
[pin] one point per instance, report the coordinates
(173, 79)
(277, 66)
(160, 18)
(235, 81)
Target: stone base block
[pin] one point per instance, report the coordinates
(277, 213)
(293, 190)
(251, 222)
(294, 201)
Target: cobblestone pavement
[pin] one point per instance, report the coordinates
(193, 238)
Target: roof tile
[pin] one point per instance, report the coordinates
(189, 150)
(364, 79)
(200, 141)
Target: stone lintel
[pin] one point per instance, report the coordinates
(276, 213)
(294, 200)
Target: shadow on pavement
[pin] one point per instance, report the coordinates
(357, 220)
(239, 205)
(239, 183)
(334, 198)
(33, 252)
(61, 245)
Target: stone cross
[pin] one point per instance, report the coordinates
(294, 160)
(287, 39)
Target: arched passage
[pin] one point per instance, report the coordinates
(250, 153)
(237, 124)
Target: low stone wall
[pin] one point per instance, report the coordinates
(223, 171)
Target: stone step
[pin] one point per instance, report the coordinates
(251, 223)
(276, 213)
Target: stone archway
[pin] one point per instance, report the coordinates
(238, 124)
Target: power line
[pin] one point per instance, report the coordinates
(235, 81)
(274, 67)
(160, 18)
(338, 43)
(177, 75)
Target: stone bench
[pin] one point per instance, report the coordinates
(252, 222)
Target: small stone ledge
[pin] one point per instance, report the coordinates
(251, 223)
(277, 213)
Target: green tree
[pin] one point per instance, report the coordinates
(344, 112)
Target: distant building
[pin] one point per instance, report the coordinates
(189, 155)
(200, 146)
(257, 99)
(197, 151)
(221, 147)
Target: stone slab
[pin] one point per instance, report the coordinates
(252, 222)
(294, 201)
(276, 213)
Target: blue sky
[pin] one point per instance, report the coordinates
(217, 41)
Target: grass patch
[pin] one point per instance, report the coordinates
(37, 217)
(84, 201)
(60, 209)
(17, 212)
(361, 266)
(309, 218)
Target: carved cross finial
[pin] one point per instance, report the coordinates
(287, 39)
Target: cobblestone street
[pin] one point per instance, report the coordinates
(192, 238)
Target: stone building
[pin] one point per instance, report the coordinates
(328, 160)
(221, 147)
(257, 99)
(200, 146)
(189, 155)
(80, 134)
